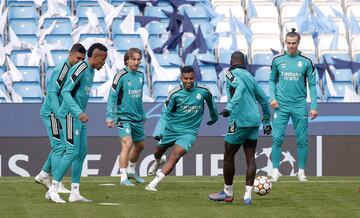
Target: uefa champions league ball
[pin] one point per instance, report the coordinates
(262, 185)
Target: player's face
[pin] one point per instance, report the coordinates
(188, 80)
(134, 61)
(292, 44)
(76, 57)
(98, 59)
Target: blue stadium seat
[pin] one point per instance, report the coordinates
(127, 8)
(2, 88)
(1, 40)
(125, 41)
(161, 89)
(94, 96)
(155, 42)
(329, 57)
(340, 90)
(263, 74)
(343, 75)
(48, 73)
(213, 89)
(205, 57)
(11, 3)
(62, 26)
(20, 57)
(116, 31)
(208, 73)
(31, 92)
(22, 11)
(84, 20)
(225, 55)
(170, 59)
(195, 11)
(59, 56)
(66, 7)
(92, 36)
(264, 59)
(157, 28)
(24, 26)
(65, 40)
(31, 39)
(30, 73)
(82, 7)
(156, 11)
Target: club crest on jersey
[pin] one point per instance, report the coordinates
(283, 65)
(141, 80)
(299, 64)
(129, 83)
(77, 132)
(198, 96)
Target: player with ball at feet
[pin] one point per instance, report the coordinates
(244, 119)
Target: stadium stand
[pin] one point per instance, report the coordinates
(329, 29)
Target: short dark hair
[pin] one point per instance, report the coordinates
(129, 52)
(187, 69)
(96, 46)
(237, 57)
(78, 48)
(293, 33)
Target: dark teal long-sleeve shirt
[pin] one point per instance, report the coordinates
(243, 94)
(77, 89)
(53, 98)
(183, 110)
(289, 74)
(125, 97)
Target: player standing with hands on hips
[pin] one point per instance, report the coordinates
(290, 73)
(243, 93)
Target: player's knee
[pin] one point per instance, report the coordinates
(277, 141)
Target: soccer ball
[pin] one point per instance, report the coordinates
(262, 185)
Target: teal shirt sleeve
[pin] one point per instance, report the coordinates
(161, 124)
(239, 90)
(212, 107)
(54, 90)
(263, 101)
(272, 81)
(70, 84)
(311, 76)
(113, 93)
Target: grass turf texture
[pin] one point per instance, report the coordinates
(185, 197)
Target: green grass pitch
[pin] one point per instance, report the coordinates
(185, 197)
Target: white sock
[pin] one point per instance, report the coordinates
(248, 191)
(276, 171)
(159, 176)
(301, 172)
(229, 190)
(123, 174)
(75, 188)
(43, 174)
(131, 168)
(54, 186)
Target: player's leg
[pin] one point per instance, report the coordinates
(126, 143)
(280, 121)
(177, 152)
(300, 122)
(76, 169)
(72, 131)
(160, 159)
(139, 144)
(249, 150)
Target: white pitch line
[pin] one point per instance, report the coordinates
(205, 181)
(110, 204)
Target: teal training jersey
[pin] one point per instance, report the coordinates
(125, 97)
(77, 89)
(183, 110)
(57, 80)
(243, 93)
(288, 77)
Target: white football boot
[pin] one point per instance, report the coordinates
(302, 177)
(45, 181)
(62, 189)
(78, 198)
(151, 188)
(155, 166)
(54, 197)
(275, 175)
